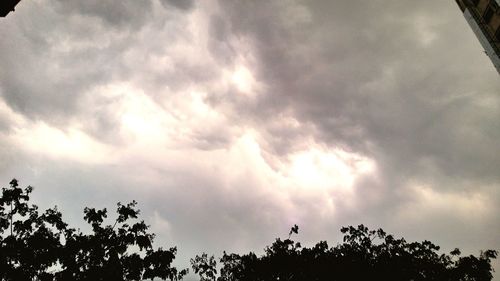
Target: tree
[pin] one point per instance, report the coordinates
(30, 242)
(364, 255)
(36, 246)
(205, 267)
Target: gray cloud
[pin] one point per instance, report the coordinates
(402, 83)
(52, 71)
(124, 13)
(372, 82)
(180, 4)
(383, 80)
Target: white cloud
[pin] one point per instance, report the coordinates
(426, 201)
(41, 139)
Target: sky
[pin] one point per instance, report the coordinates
(230, 121)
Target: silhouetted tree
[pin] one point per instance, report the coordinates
(205, 267)
(36, 246)
(364, 255)
(40, 246)
(30, 242)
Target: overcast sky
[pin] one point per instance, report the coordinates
(230, 121)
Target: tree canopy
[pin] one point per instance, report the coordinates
(364, 255)
(41, 246)
(37, 245)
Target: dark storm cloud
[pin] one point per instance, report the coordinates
(403, 83)
(180, 4)
(378, 78)
(46, 72)
(120, 14)
(55, 56)
(219, 39)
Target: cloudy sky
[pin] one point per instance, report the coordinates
(229, 121)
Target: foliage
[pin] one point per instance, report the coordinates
(32, 241)
(41, 246)
(364, 255)
(205, 267)
(38, 245)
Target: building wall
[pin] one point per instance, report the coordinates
(484, 18)
(494, 23)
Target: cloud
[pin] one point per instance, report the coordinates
(180, 4)
(374, 84)
(229, 121)
(126, 13)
